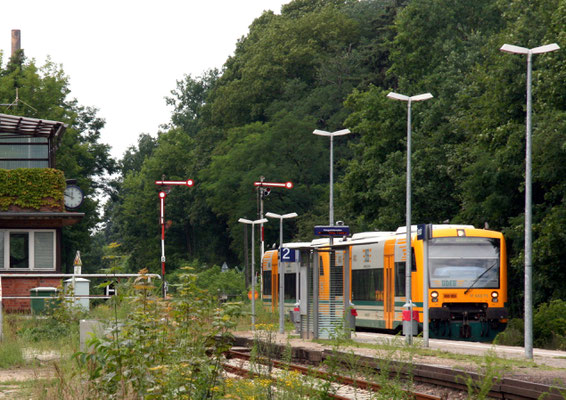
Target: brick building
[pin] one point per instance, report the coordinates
(32, 207)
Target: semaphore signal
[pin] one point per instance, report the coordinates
(188, 182)
(162, 196)
(286, 185)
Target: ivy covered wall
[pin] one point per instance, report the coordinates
(26, 189)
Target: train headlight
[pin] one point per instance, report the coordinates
(434, 296)
(494, 297)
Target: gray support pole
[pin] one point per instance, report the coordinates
(315, 287)
(347, 283)
(428, 235)
(528, 223)
(331, 207)
(281, 281)
(246, 260)
(253, 278)
(298, 276)
(1, 314)
(409, 337)
(261, 227)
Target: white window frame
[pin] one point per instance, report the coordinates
(31, 249)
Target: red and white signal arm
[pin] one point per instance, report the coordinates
(286, 185)
(188, 182)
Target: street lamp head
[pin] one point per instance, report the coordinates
(421, 97)
(397, 96)
(321, 133)
(509, 48)
(402, 97)
(274, 215)
(336, 133)
(545, 49)
(290, 215)
(341, 132)
(250, 222)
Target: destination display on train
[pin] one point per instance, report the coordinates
(331, 230)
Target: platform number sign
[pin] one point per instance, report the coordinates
(288, 255)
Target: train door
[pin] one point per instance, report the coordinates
(389, 291)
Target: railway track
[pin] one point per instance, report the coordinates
(505, 388)
(344, 387)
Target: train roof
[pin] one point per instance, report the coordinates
(297, 245)
(370, 235)
(403, 229)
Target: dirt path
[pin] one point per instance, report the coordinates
(14, 380)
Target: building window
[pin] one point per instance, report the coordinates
(29, 250)
(23, 152)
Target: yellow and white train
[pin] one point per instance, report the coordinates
(467, 279)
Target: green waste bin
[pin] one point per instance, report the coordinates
(38, 305)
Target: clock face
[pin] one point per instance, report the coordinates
(73, 196)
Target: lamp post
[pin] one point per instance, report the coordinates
(409, 304)
(253, 223)
(281, 271)
(331, 135)
(508, 48)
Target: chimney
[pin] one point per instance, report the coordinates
(16, 42)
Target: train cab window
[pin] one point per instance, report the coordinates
(266, 283)
(464, 262)
(367, 284)
(290, 286)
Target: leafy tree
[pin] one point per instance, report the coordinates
(43, 94)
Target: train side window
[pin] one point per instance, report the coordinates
(321, 267)
(366, 284)
(267, 283)
(400, 278)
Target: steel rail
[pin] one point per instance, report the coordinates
(505, 388)
(246, 373)
(357, 383)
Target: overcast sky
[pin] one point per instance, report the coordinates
(123, 57)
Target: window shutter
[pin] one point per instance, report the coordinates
(44, 250)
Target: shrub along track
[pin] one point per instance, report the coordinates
(505, 388)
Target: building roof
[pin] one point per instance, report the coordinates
(19, 126)
(39, 219)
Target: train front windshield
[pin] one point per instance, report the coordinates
(464, 262)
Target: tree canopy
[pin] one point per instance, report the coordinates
(329, 64)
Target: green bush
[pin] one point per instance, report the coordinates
(10, 354)
(549, 328)
(165, 348)
(230, 283)
(549, 325)
(513, 335)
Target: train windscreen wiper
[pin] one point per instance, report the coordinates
(480, 275)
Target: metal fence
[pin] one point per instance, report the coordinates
(75, 297)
